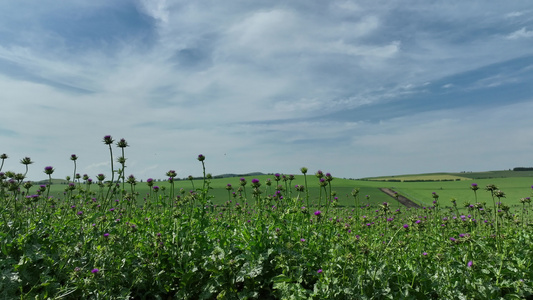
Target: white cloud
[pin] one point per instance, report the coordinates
(521, 33)
(259, 78)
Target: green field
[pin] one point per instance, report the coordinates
(418, 191)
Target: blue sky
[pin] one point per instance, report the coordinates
(355, 88)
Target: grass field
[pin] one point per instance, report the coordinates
(420, 192)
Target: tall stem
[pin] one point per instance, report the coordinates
(112, 174)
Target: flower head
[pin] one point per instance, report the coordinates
(95, 270)
(48, 170)
(317, 213)
(108, 140)
(201, 157)
(26, 161)
(122, 143)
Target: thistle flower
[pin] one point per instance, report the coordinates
(3, 156)
(491, 187)
(73, 157)
(474, 186)
(304, 170)
(201, 157)
(95, 270)
(26, 161)
(319, 174)
(108, 140)
(329, 177)
(499, 194)
(255, 183)
(317, 213)
(319, 271)
(172, 173)
(100, 177)
(122, 143)
(132, 179)
(48, 170)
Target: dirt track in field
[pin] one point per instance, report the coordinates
(403, 200)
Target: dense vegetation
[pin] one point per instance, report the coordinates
(284, 237)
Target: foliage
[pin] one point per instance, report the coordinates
(263, 241)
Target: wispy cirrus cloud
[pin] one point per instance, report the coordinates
(257, 79)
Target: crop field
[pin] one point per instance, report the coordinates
(278, 236)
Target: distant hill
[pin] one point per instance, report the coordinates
(54, 181)
(239, 175)
(517, 172)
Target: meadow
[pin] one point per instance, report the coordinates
(277, 236)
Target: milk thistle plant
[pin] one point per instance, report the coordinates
(2, 157)
(74, 158)
(108, 140)
(48, 171)
(122, 144)
(26, 161)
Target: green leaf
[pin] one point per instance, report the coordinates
(282, 278)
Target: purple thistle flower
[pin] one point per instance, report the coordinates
(406, 226)
(319, 271)
(302, 240)
(317, 213)
(470, 264)
(95, 270)
(106, 234)
(425, 253)
(108, 140)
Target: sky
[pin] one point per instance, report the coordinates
(354, 88)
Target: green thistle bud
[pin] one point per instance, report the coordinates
(26, 161)
(122, 143)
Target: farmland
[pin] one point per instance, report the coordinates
(270, 236)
